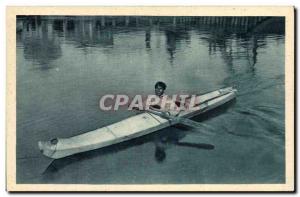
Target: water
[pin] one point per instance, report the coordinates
(64, 69)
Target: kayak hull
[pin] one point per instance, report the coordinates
(130, 128)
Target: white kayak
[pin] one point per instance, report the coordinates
(129, 128)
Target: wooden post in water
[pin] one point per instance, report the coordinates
(90, 29)
(65, 26)
(199, 20)
(255, 21)
(258, 19)
(126, 20)
(225, 21)
(137, 21)
(35, 22)
(174, 21)
(246, 23)
(211, 20)
(232, 21)
(150, 21)
(228, 21)
(24, 27)
(236, 21)
(242, 21)
(113, 22)
(102, 21)
(81, 24)
(249, 22)
(208, 20)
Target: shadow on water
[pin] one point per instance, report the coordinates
(161, 139)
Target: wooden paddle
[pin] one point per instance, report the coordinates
(178, 120)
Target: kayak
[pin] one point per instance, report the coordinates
(129, 128)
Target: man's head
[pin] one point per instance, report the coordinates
(160, 87)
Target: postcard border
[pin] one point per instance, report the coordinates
(286, 11)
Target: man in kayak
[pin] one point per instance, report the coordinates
(160, 88)
(161, 104)
(166, 105)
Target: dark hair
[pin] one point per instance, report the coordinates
(161, 84)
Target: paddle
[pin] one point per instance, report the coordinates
(177, 119)
(194, 145)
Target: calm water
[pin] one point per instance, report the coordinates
(64, 69)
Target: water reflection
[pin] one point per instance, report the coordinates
(42, 37)
(88, 34)
(99, 55)
(173, 39)
(148, 38)
(42, 43)
(38, 45)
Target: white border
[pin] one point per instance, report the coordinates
(4, 3)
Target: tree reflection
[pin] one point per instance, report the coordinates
(41, 39)
(232, 37)
(173, 38)
(40, 46)
(148, 38)
(87, 33)
(241, 44)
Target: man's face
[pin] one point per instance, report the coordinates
(159, 90)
